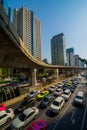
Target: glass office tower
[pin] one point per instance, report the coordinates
(58, 50)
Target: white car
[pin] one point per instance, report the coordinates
(51, 89)
(66, 94)
(24, 118)
(6, 116)
(57, 105)
(33, 93)
(79, 99)
(60, 84)
(58, 92)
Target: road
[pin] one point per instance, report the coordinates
(70, 117)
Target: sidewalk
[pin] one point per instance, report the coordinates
(20, 98)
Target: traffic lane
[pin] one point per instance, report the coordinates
(71, 120)
(84, 123)
(73, 117)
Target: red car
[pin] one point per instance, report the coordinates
(2, 107)
(38, 125)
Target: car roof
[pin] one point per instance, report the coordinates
(59, 99)
(67, 90)
(59, 89)
(28, 111)
(80, 93)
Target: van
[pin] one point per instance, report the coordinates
(57, 105)
(79, 99)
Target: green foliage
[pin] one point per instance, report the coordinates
(0, 72)
(5, 72)
(42, 75)
(2, 81)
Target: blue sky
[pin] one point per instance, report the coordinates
(56, 16)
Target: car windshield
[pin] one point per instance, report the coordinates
(23, 103)
(52, 87)
(8, 111)
(42, 93)
(32, 92)
(79, 97)
(72, 87)
(56, 103)
(58, 90)
(65, 93)
(22, 117)
(40, 124)
(46, 99)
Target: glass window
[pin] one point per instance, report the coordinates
(56, 103)
(22, 117)
(2, 116)
(79, 97)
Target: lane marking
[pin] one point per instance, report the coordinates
(62, 115)
(72, 117)
(84, 117)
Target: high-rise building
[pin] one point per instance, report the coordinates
(15, 18)
(58, 50)
(28, 28)
(76, 60)
(70, 56)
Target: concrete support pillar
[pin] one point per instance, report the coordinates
(33, 77)
(76, 71)
(56, 73)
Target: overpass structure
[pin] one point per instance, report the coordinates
(14, 54)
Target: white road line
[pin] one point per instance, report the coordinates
(72, 117)
(84, 117)
(61, 116)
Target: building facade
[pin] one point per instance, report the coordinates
(70, 56)
(58, 50)
(28, 28)
(76, 60)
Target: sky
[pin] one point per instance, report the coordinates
(59, 16)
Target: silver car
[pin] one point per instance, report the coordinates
(24, 118)
(6, 116)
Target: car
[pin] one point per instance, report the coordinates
(33, 93)
(58, 92)
(79, 99)
(60, 84)
(2, 107)
(69, 83)
(72, 88)
(51, 89)
(42, 95)
(24, 118)
(66, 94)
(46, 101)
(38, 125)
(57, 105)
(6, 116)
(25, 104)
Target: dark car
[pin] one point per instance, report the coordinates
(25, 104)
(46, 101)
(72, 88)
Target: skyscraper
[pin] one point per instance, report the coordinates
(28, 28)
(76, 60)
(70, 56)
(58, 50)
